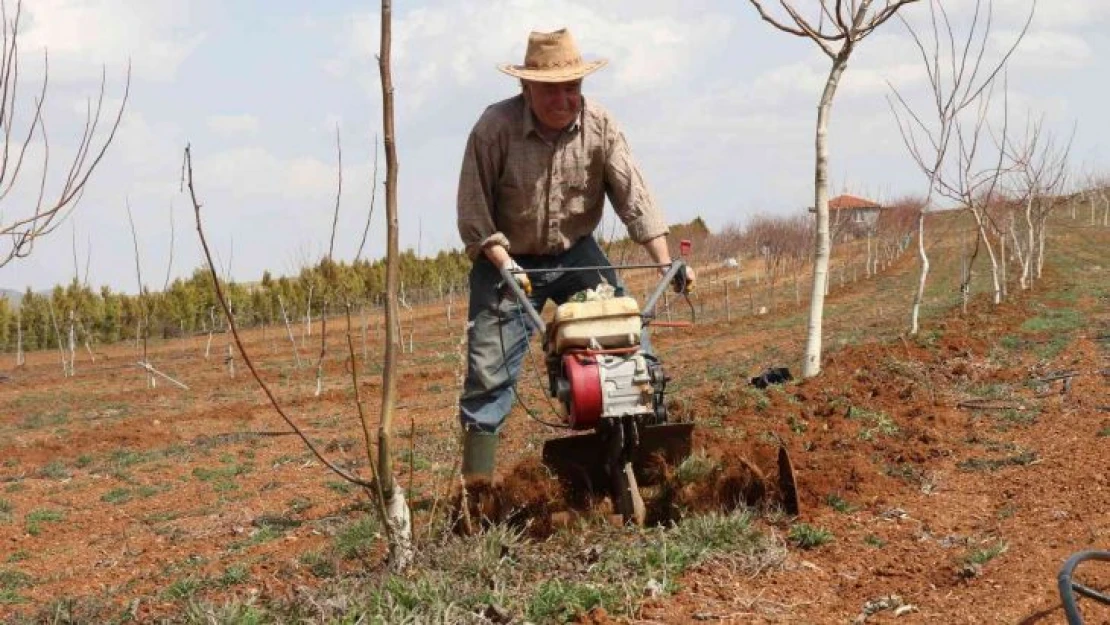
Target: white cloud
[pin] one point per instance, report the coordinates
(84, 35)
(1047, 50)
(256, 172)
(448, 44)
(228, 125)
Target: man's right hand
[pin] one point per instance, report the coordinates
(518, 274)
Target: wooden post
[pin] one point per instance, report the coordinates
(728, 307)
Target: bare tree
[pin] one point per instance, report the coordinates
(401, 549)
(1039, 171)
(839, 27)
(960, 81)
(21, 227)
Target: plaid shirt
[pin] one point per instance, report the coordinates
(533, 196)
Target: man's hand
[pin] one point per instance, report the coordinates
(518, 273)
(682, 282)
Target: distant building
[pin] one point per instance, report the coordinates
(851, 216)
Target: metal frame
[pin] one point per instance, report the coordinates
(647, 312)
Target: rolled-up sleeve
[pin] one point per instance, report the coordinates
(477, 180)
(628, 192)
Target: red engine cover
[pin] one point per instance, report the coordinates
(584, 376)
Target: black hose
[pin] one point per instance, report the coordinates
(1068, 588)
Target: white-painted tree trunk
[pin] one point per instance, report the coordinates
(919, 294)
(812, 363)
(289, 331)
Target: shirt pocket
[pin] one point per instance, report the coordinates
(516, 213)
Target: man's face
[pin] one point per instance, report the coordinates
(555, 104)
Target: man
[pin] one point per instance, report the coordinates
(534, 179)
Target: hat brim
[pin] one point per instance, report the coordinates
(562, 74)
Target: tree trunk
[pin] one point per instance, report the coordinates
(919, 295)
(812, 364)
(401, 549)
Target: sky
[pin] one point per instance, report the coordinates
(718, 107)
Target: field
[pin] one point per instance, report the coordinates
(944, 477)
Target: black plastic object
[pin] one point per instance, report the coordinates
(772, 375)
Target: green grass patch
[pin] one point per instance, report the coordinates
(358, 538)
(37, 517)
(558, 601)
(54, 470)
(873, 423)
(234, 575)
(319, 563)
(10, 583)
(838, 503)
(1104, 432)
(807, 536)
(874, 541)
(696, 467)
(1055, 320)
(116, 496)
(1022, 459)
(985, 554)
(183, 589)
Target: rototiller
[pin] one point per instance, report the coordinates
(610, 386)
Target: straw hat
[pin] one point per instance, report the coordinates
(552, 57)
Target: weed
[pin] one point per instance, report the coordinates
(234, 575)
(907, 472)
(123, 458)
(985, 554)
(299, 504)
(341, 487)
(41, 515)
(1022, 459)
(797, 426)
(116, 496)
(55, 470)
(561, 602)
(319, 563)
(258, 536)
(993, 391)
(19, 556)
(147, 490)
(10, 582)
(1007, 511)
(6, 509)
(1055, 320)
(83, 461)
(874, 541)
(874, 423)
(418, 462)
(357, 538)
(694, 468)
(222, 473)
(838, 503)
(184, 588)
(1105, 431)
(807, 536)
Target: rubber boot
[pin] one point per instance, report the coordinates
(479, 455)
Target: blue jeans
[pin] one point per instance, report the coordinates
(498, 330)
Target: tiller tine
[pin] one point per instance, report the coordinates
(592, 463)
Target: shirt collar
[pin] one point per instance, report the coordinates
(529, 125)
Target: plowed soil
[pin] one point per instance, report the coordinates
(949, 468)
